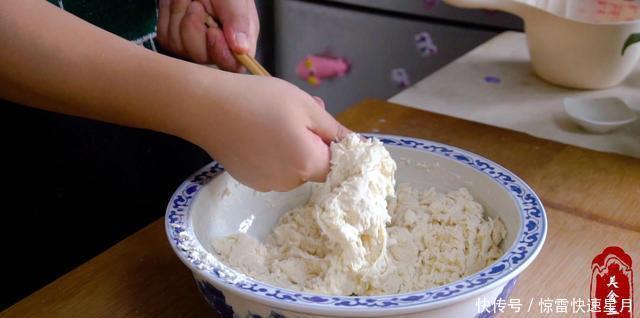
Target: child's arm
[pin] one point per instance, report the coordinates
(266, 132)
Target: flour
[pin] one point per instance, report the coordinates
(356, 237)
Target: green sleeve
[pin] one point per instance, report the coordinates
(134, 20)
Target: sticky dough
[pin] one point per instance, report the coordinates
(355, 237)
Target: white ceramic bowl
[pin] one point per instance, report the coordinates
(201, 209)
(599, 115)
(568, 47)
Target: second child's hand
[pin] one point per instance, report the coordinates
(183, 32)
(246, 60)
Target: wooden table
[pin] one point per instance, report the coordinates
(592, 200)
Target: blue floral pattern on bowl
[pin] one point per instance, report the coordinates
(216, 299)
(492, 310)
(528, 241)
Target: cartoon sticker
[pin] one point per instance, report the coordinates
(424, 44)
(492, 79)
(430, 4)
(314, 68)
(400, 77)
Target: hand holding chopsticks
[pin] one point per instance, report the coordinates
(246, 60)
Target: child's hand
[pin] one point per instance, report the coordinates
(182, 30)
(267, 133)
(272, 136)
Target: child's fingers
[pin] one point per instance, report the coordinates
(319, 166)
(235, 16)
(208, 7)
(218, 50)
(193, 32)
(164, 15)
(327, 127)
(178, 10)
(319, 101)
(254, 26)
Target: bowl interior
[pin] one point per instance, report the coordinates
(607, 110)
(225, 207)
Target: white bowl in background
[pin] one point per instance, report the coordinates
(568, 50)
(599, 115)
(211, 204)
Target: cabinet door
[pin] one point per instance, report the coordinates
(439, 9)
(374, 45)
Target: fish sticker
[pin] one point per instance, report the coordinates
(314, 68)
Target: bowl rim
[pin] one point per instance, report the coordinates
(572, 106)
(526, 246)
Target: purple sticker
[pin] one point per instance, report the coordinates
(430, 4)
(424, 44)
(400, 77)
(492, 79)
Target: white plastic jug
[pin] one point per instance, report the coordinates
(576, 43)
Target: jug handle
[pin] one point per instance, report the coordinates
(511, 6)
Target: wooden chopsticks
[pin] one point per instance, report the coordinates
(252, 65)
(246, 60)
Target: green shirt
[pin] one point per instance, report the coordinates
(134, 20)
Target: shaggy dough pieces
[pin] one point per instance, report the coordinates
(351, 206)
(344, 242)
